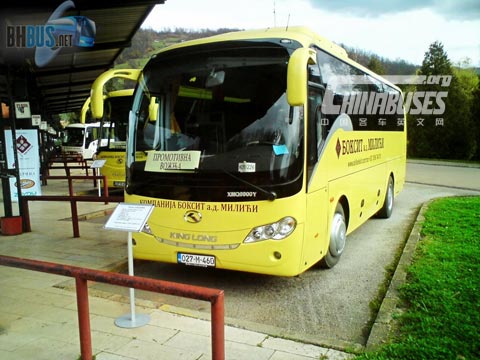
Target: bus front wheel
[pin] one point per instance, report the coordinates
(338, 237)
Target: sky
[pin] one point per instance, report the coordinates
(393, 29)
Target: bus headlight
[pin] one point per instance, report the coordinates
(274, 231)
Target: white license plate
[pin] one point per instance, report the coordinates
(196, 260)
(119, 183)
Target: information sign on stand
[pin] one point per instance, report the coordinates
(98, 164)
(131, 218)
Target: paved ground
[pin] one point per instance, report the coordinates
(323, 307)
(444, 174)
(38, 317)
(38, 311)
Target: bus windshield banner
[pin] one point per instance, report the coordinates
(170, 161)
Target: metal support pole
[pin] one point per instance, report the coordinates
(83, 318)
(26, 215)
(98, 183)
(73, 207)
(130, 272)
(218, 328)
(131, 320)
(70, 186)
(105, 188)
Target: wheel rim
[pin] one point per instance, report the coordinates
(390, 196)
(338, 235)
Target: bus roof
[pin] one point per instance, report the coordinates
(304, 35)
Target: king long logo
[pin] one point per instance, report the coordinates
(192, 216)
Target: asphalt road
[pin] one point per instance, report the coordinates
(325, 307)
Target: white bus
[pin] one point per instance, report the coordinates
(81, 140)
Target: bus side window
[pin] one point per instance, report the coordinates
(317, 129)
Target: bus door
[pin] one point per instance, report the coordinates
(316, 177)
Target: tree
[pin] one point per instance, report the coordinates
(449, 134)
(436, 61)
(476, 116)
(376, 65)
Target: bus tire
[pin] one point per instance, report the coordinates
(386, 211)
(338, 237)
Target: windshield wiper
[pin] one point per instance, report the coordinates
(271, 195)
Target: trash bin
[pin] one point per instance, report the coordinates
(11, 225)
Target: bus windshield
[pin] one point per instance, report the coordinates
(114, 128)
(75, 136)
(230, 106)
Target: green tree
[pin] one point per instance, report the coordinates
(449, 134)
(376, 66)
(465, 88)
(476, 116)
(436, 61)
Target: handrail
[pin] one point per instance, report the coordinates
(69, 178)
(82, 275)
(73, 207)
(65, 160)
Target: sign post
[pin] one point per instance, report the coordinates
(130, 218)
(98, 164)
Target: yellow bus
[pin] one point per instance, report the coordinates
(265, 149)
(112, 110)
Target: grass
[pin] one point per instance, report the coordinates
(442, 292)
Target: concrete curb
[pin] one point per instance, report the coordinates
(386, 321)
(452, 163)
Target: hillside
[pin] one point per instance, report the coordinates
(146, 42)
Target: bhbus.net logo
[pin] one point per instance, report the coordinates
(57, 33)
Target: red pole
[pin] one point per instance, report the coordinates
(83, 318)
(70, 186)
(105, 188)
(73, 207)
(218, 327)
(67, 169)
(26, 215)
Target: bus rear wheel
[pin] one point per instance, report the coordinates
(386, 211)
(338, 238)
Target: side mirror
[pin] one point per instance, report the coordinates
(96, 94)
(297, 75)
(85, 108)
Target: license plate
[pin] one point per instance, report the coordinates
(196, 260)
(119, 183)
